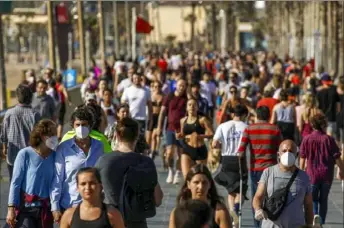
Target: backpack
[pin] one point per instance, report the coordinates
(275, 204)
(136, 200)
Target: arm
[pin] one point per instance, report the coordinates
(209, 132)
(217, 140)
(150, 111)
(162, 115)
(65, 93)
(172, 223)
(66, 219)
(4, 139)
(224, 110)
(158, 195)
(56, 186)
(302, 163)
(222, 217)
(245, 140)
(308, 208)
(115, 218)
(258, 197)
(17, 180)
(103, 121)
(273, 117)
(124, 98)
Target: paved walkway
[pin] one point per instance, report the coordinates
(335, 206)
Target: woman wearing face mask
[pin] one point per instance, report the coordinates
(91, 212)
(199, 185)
(73, 154)
(28, 203)
(299, 204)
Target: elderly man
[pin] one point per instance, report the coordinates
(298, 205)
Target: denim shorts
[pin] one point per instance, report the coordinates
(171, 139)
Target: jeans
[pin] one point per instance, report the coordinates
(320, 193)
(255, 178)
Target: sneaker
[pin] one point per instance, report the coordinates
(317, 221)
(176, 179)
(235, 219)
(169, 177)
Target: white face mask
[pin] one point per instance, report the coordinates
(52, 142)
(30, 79)
(82, 132)
(288, 159)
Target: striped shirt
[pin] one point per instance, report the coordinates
(263, 139)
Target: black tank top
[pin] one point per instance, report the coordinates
(194, 127)
(101, 222)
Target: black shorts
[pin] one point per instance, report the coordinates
(229, 175)
(62, 113)
(196, 154)
(155, 119)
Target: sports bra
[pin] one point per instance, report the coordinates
(193, 127)
(101, 222)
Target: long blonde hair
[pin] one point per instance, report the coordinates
(311, 106)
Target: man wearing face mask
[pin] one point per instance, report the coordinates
(71, 155)
(298, 206)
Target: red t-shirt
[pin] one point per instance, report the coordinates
(162, 65)
(269, 102)
(176, 110)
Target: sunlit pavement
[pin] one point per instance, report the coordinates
(335, 215)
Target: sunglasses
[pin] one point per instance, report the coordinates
(233, 91)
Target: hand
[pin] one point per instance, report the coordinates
(11, 217)
(70, 104)
(340, 174)
(214, 144)
(260, 214)
(57, 216)
(179, 135)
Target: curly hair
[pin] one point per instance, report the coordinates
(42, 128)
(318, 122)
(185, 193)
(82, 113)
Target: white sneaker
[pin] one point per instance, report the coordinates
(176, 178)
(235, 219)
(169, 176)
(317, 222)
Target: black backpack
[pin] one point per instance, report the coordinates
(136, 200)
(275, 204)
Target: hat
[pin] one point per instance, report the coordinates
(325, 77)
(90, 96)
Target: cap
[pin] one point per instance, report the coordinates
(90, 96)
(325, 77)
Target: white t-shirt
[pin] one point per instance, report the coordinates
(137, 99)
(208, 89)
(229, 135)
(125, 83)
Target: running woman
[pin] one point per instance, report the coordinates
(153, 138)
(194, 129)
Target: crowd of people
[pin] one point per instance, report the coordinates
(213, 119)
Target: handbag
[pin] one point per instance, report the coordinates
(275, 204)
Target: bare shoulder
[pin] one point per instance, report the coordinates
(67, 216)
(221, 207)
(113, 213)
